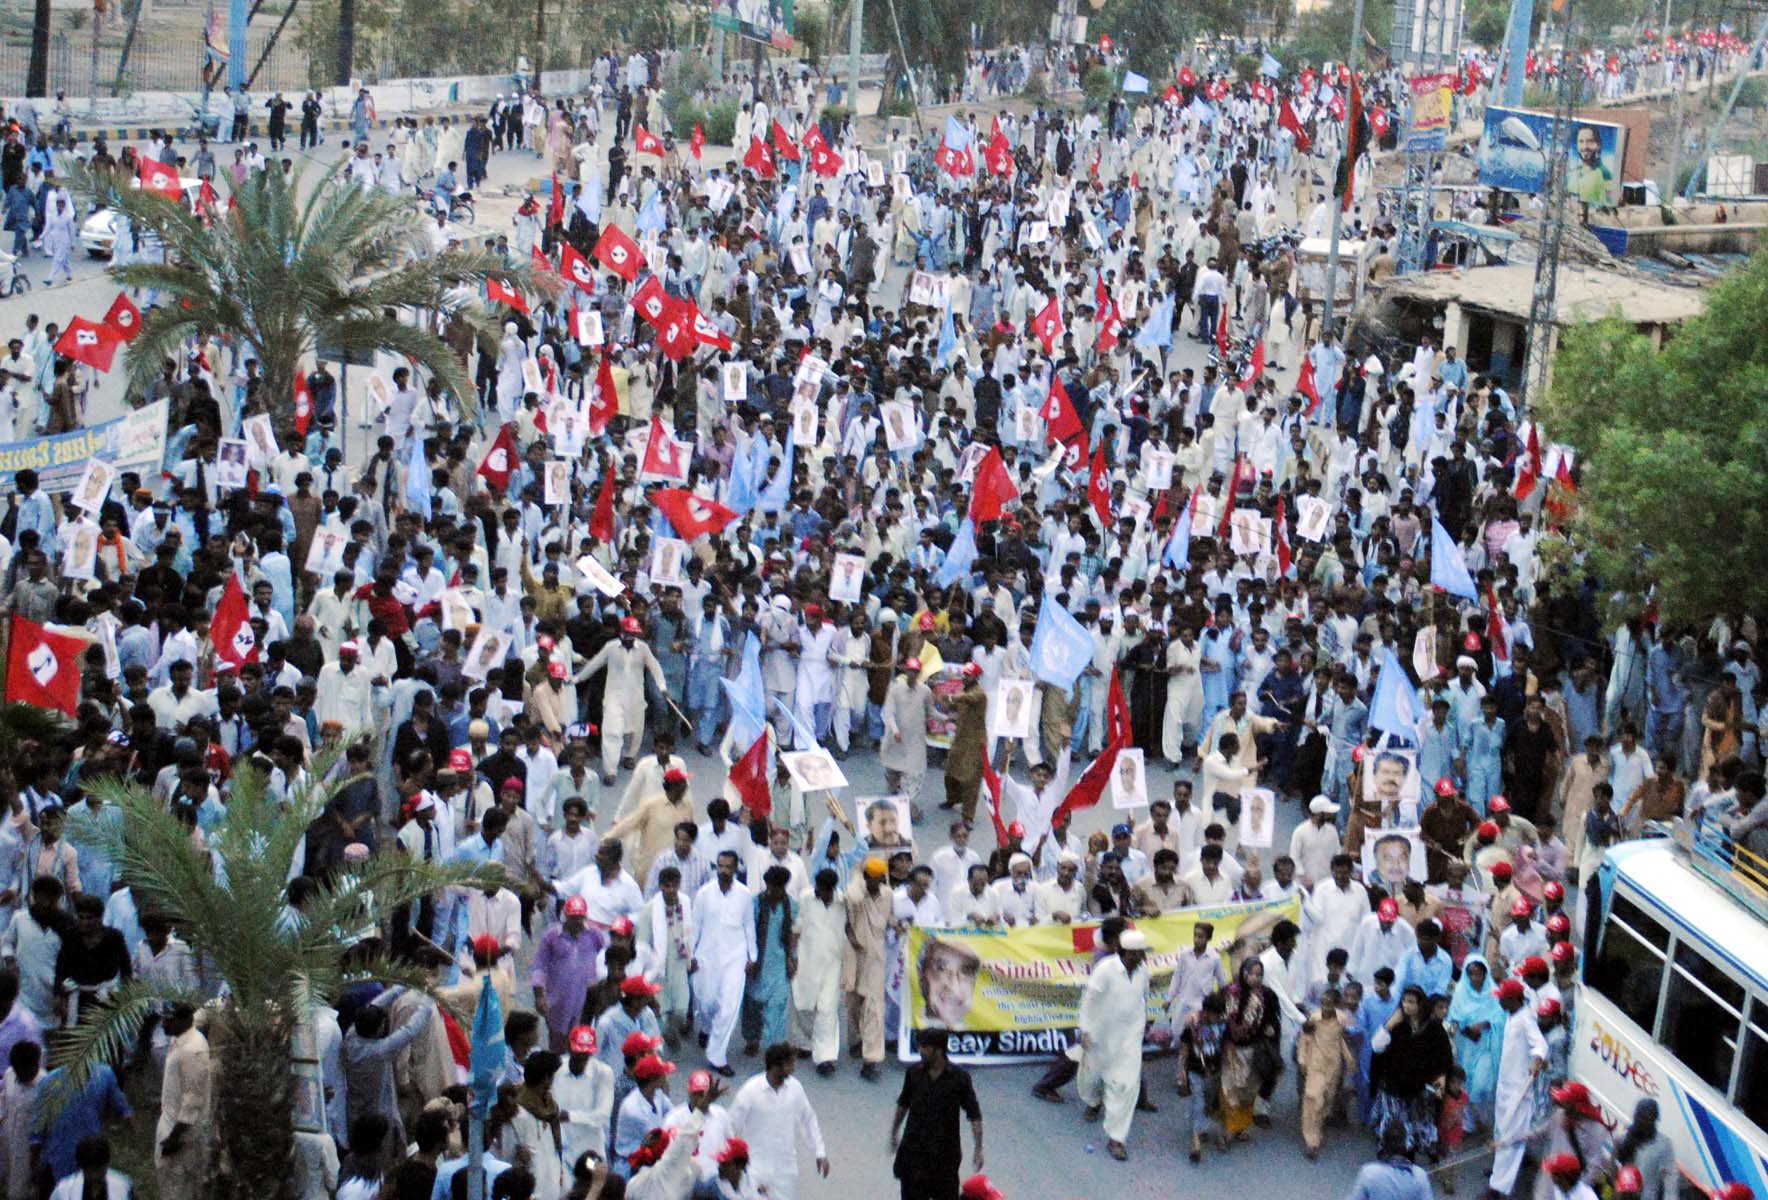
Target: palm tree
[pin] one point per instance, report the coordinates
(282, 269)
(232, 912)
(22, 724)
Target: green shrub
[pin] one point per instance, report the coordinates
(897, 106)
(1098, 86)
(720, 123)
(1246, 67)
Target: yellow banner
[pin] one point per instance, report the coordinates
(1011, 993)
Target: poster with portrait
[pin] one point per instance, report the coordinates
(1157, 465)
(899, 161)
(558, 481)
(883, 821)
(1392, 856)
(811, 367)
(1056, 207)
(924, 288)
(589, 328)
(1424, 653)
(1025, 425)
(1312, 516)
(667, 558)
(846, 577)
(1129, 780)
(231, 463)
(800, 256)
(1248, 533)
(1391, 781)
(95, 484)
(486, 654)
(804, 419)
(1206, 515)
(735, 379)
(1137, 509)
(1258, 817)
(457, 610)
(598, 576)
(531, 377)
(79, 555)
(1036, 233)
(380, 392)
(325, 553)
(567, 428)
(261, 438)
(814, 770)
(1009, 713)
(719, 192)
(901, 430)
(874, 173)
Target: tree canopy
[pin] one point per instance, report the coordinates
(1673, 446)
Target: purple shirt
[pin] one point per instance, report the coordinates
(565, 967)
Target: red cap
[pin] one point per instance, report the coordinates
(1487, 831)
(1547, 1008)
(637, 985)
(487, 947)
(1357, 752)
(1534, 964)
(460, 760)
(1554, 891)
(630, 625)
(1387, 910)
(1510, 989)
(652, 1067)
(1559, 923)
(927, 622)
(972, 670)
(512, 784)
(1562, 952)
(556, 669)
(1503, 869)
(621, 926)
(1628, 1181)
(676, 775)
(1015, 829)
(1497, 804)
(639, 1043)
(583, 1040)
(699, 1081)
(1571, 1092)
(1445, 786)
(978, 1187)
(1563, 1163)
(912, 665)
(735, 1150)
(1522, 907)
(812, 610)
(1470, 642)
(576, 906)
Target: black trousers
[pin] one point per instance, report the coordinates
(931, 1187)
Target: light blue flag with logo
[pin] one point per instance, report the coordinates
(1178, 546)
(1062, 647)
(488, 1052)
(959, 558)
(957, 134)
(1270, 66)
(747, 696)
(948, 338)
(1157, 329)
(1133, 82)
(650, 217)
(743, 488)
(1448, 569)
(417, 477)
(778, 492)
(1394, 708)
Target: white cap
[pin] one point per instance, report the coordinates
(1068, 856)
(1466, 660)
(1320, 804)
(1017, 859)
(1133, 939)
(781, 602)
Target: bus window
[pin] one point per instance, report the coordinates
(1752, 1081)
(1702, 1010)
(1629, 967)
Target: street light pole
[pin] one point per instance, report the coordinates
(1326, 313)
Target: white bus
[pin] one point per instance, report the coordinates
(1674, 1002)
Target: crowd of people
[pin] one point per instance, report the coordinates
(804, 452)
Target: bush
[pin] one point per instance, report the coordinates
(813, 32)
(836, 116)
(1098, 86)
(897, 106)
(1037, 86)
(720, 123)
(1246, 67)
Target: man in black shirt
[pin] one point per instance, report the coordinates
(929, 1152)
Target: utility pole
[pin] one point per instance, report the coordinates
(539, 41)
(1544, 305)
(1338, 202)
(92, 80)
(853, 38)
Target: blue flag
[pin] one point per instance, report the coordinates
(948, 338)
(778, 492)
(744, 485)
(1270, 66)
(1448, 569)
(488, 1053)
(957, 134)
(650, 217)
(747, 696)
(417, 477)
(959, 558)
(1178, 546)
(1394, 708)
(1062, 647)
(1157, 330)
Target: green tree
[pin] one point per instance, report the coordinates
(236, 925)
(1150, 34)
(283, 269)
(1673, 444)
(1324, 35)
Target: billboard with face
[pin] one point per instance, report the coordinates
(1514, 147)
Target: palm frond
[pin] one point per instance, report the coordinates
(21, 723)
(106, 1033)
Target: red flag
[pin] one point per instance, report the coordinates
(1378, 121)
(1215, 89)
(1110, 326)
(1048, 324)
(646, 142)
(1104, 43)
(1117, 712)
(1529, 473)
(652, 302)
(206, 200)
(783, 145)
(825, 162)
(813, 137)
(665, 457)
(123, 318)
(1287, 119)
(1229, 499)
(537, 257)
(159, 178)
(705, 330)
(604, 405)
(1356, 139)
(303, 404)
(1495, 627)
(697, 143)
(1222, 330)
(993, 488)
(500, 460)
(1187, 77)
(619, 253)
(601, 518)
(43, 667)
(954, 162)
(575, 268)
(230, 629)
(691, 515)
(1061, 422)
(759, 158)
(555, 211)
(1256, 366)
(1171, 95)
(1091, 785)
(991, 789)
(88, 342)
(1099, 487)
(1280, 527)
(1306, 386)
(499, 291)
(998, 155)
(748, 775)
(675, 332)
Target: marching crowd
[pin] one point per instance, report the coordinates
(833, 449)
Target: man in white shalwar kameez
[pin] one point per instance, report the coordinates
(1113, 1013)
(771, 1113)
(1333, 911)
(510, 386)
(623, 696)
(821, 929)
(724, 946)
(1522, 1056)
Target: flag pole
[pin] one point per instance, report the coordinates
(1350, 176)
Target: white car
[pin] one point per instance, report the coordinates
(98, 234)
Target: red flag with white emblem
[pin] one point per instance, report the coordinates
(748, 776)
(160, 179)
(1099, 487)
(88, 342)
(665, 456)
(619, 253)
(43, 667)
(575, 268)
(500, 460)
(1061, 422)
(601, 518)
(604, 405)
(651, 302)
(646, 142)
(123, 318)
(782, 143)
(759, 158)
(1048, 324)
(691, 515)
(697, 143)
(230, 629)
(303, 404)
(498, 291)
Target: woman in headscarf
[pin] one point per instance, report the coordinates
(1476, 1021)
(1252, 1052)
(1645, 1148)
(1412, 1055)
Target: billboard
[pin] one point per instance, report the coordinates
(133, 442)
(1513, 155)
(770, 22)
(1433, 99)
